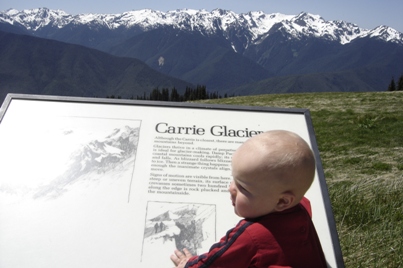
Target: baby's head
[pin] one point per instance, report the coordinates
(271, 172)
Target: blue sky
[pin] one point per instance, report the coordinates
(366, 13)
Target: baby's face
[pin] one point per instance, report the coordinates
(253, 193)
(247, 203)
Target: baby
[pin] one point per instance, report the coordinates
(271, 173)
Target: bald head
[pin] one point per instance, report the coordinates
(278, 157)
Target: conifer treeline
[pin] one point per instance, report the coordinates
(396, 87)
(198, 93)
(190, 94)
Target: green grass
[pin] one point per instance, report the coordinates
(360, 140)
(370, 221)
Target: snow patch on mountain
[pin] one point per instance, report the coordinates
(387, 34)
(34, 19)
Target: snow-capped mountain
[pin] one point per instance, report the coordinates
(253, 26)
(95, 158)
(102, 155)
(234, 54)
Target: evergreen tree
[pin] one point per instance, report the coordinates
(392, 85)
(400, 83)
(165, 94)
(155, 94)
(201, 92)
(174, 95)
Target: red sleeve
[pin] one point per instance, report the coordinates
(307, 205)
(226, 253)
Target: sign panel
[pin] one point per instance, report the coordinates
(114, 183)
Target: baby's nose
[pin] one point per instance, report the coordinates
(231, 188)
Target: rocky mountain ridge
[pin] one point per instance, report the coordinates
(254, 26)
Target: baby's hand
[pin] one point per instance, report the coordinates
(180, 259)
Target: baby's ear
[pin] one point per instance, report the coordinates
(286, 201)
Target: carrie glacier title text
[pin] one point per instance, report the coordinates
(217, 130)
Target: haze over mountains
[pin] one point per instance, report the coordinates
(241, 54)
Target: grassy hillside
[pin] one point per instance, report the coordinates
(360, 139)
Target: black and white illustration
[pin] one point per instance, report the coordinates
(51, 162)
(69, 178)
(178, 225)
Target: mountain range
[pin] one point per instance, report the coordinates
(94, 158)
(241, 54)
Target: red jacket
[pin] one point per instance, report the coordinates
(280, 239)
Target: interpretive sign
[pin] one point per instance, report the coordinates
(117, 183)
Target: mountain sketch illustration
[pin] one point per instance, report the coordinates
(185, 225)
(93, 159)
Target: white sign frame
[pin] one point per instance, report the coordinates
(51, 218)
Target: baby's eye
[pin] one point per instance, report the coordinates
(242, 189)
